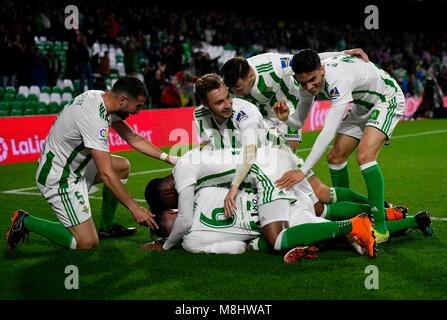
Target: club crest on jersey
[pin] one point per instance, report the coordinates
(241, 115)
(285, 62)
(334, 93)
(103, 134)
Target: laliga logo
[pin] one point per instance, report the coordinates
(103, 133)
(3, 150)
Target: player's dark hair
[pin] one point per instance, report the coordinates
(306, 60)
(130, 86)
(234, 69)
(207, 83)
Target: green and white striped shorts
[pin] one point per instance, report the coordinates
(384, 116)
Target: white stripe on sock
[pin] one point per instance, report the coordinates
(73, 243)
(278, 240)
(368, 165)
(323, 215)
(338, 166)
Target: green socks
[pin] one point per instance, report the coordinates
(399, 225)
(344, 210)
(339, 175)
(53, 231)
(311, 233)
(376, 190)
(108, 210)
(344, 194)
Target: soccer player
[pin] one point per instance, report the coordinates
(267, 79)
(377, 105)
(270, 164)
(76, 156)
(212, 232)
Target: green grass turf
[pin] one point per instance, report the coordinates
(410, 267)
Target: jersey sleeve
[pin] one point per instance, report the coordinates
(94, 131)
(340, 92)
(185, 172)
(202, 124)
(248, 120)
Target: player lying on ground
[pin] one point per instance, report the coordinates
(267, 78)
(76, 156)
(212, 232)
(189, 176)
(377, 105)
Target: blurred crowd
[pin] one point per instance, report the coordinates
(162, 44)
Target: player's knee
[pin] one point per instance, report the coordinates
(87, 243)
(364, 156)
(334, 158)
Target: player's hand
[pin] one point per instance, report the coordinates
(358, 52)
(154, 245)
(229, 202)
(172, 159)
(289, 179)
(144, 217)
(282, 110)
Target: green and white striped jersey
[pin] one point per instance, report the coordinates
(231, 133)
(209, 213)
(82, 125)
(274, 81)
(350, 79)
(205, 168)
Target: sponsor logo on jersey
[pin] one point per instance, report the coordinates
(285, 62)
(103, 134)
(374, 115)
(334, 93)
(241, 115)
(3, 150)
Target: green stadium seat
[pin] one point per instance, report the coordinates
(42, 108)
(57, 90)
(67, 89)
(2, 91)
(16, 109)
(32, 97)
(5, 105)
(4, 113)
(54, 108)
(11, 90)
(30, 108)
(9, 97)
(45, 89)
(20, 97)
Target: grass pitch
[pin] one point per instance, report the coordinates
(410, 267)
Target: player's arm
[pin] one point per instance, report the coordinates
(331, 124)
(109, 177)
(249, 132)
(297, 118)
(139, 143)
(357, 52)
(184, 219)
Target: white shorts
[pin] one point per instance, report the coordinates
(383, 116)
(71, 205)
(202, 241)
(303, 211)
(289, 134)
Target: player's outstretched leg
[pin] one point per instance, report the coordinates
(23, 223)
